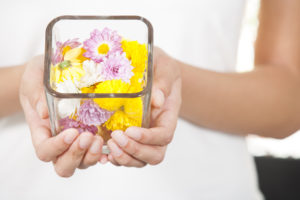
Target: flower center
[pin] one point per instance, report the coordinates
(64, 64)
(115, 70)
(103, 49)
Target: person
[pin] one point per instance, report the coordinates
(202, 163)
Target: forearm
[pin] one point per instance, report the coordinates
(265, 101)
(10, 78)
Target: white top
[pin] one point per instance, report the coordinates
(200, 163)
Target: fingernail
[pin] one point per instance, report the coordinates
(70, 136)
(115, 150)
(95, 148)
(103, 160)
(120, 138)
(134, 133)
(160, 98)
(84, 141)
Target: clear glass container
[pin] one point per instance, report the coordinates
(98, 73)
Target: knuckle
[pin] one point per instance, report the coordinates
(90, 162)
(158, 158)
(122, 160)
(141, 165)
(148, 135)
(63, 172)
(42, 156)
(167, 139)
(77, 152)
(59, 146)
(82, 167)
(135, 150)
(115, 164)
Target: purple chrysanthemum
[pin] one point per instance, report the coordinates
(58, 56)
(67, 122)
(117, 66)
(102, 43)
(91, 114)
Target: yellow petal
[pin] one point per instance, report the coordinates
(72, 54)
(111, 86)
(73, 73)
(120, 121)
(133, 108)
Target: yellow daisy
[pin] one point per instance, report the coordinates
(70, 67)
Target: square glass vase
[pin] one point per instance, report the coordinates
(98, 73)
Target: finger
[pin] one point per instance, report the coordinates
(37, 99)
(162, 84)
(112, 160)
(93, 154)
(146, 153)
(157, 97)
(163, 125)
(162, 131)
(41, 106)
(103, 159)
(50, 148)
(159, 136)
(35, 123)
(71, 159)
(123, 158)
(46, 146)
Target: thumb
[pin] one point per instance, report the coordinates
(157, 98)
(41, 106)
(161, 89)
(164, 76)
(32, 88)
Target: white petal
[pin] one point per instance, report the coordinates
(67, 107)
(67, 86)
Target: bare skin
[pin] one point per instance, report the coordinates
(10, 78)
(69, 150)
(265, 101)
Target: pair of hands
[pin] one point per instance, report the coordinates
(136, 147)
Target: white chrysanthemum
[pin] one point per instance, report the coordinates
(93, 74)
(67, 107)
(67, 86)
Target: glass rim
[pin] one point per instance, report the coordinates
(48, 56)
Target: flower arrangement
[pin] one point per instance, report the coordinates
(103, 63)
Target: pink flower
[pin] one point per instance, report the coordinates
(101, 44)
(117, 66)
(91, 114)
(60, 47)
(67, 122)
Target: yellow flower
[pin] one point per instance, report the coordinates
(90, 89)
(133, 108)
(137, 53)
(136, 82)
(70, 67)
(75, 56)
(131, 116)
(111, 86)
(120, 121)
(73, 72)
